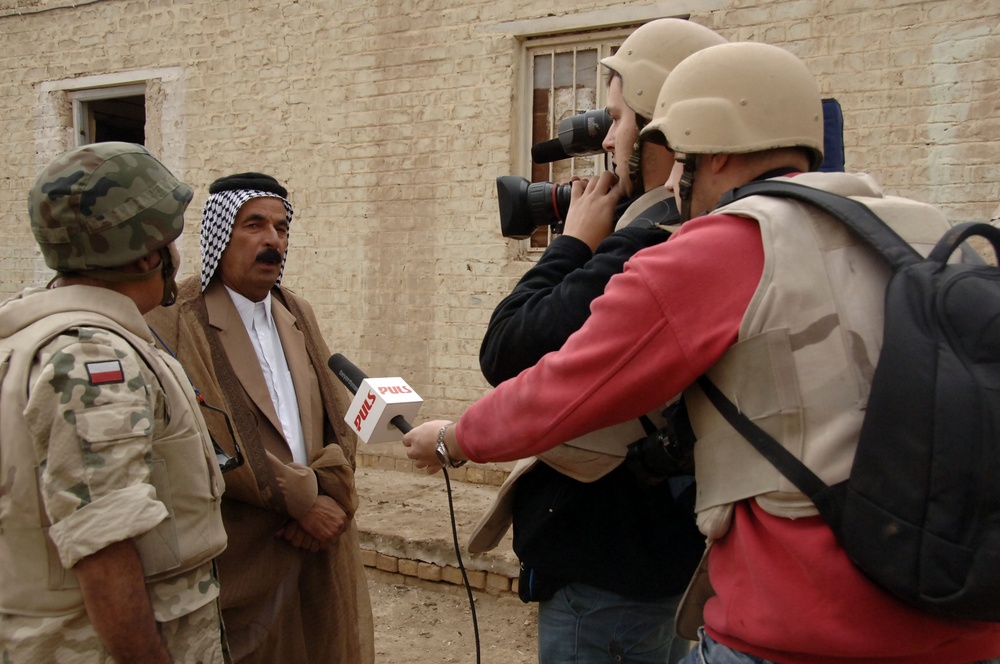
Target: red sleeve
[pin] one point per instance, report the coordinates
(659, 325)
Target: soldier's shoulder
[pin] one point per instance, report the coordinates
(93, 357)
(91, 337)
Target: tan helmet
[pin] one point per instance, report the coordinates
(647, 55)
(738, 98)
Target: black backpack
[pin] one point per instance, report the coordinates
(920, 512)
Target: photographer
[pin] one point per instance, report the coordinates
(726, 296)
(587, 530)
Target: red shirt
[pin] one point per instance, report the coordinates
(785, 589)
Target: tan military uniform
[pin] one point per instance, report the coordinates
(112, 446)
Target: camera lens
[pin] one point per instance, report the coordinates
(548, 203)
(524, 205)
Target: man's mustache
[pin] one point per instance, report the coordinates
(270, 255)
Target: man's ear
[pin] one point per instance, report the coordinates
(716, 162)
(147, 263)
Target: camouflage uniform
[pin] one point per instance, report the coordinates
(112, 445)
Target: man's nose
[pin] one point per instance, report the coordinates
(609, 142)
(272, 237)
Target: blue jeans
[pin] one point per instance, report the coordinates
(708, 651)
(582, 624)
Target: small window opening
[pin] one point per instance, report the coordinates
(110, 114)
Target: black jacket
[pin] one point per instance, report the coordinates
(616, 533)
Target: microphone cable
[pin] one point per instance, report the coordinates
(352, 377)
(461, 566)
(405, 427)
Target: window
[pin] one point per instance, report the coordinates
(566, 77)
(115, 113)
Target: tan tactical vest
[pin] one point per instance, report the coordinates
(185, 472)
(641, 204)
(807, 348)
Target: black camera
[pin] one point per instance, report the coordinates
(580, 135)
(525, 205)
(666, 452)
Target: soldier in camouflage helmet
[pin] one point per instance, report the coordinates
(105, 206)
(110, 499)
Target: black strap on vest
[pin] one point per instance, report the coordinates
(828, 499)
(856, 216)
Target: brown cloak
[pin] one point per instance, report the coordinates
(279, 603)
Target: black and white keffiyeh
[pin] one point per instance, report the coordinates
(217, 227)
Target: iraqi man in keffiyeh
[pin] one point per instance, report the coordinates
(293, 585)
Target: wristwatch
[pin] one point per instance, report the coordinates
(442, 450)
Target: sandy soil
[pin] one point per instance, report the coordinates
(429, 623)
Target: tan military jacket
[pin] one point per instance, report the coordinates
(111, 446)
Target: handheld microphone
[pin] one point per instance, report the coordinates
(348, 372)
(379, 405)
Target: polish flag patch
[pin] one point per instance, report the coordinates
(105, 373)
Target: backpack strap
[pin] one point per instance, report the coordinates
(958, 234)
(829, 500)
(856, 216)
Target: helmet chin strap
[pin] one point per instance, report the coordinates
(635, 168)
(635, 159)
(686, 185)
(167, 266)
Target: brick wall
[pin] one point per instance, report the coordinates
(916, 81)
(390, 119)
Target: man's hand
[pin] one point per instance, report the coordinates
(421, 445)
(320, 527)
(591, 216)
(114, 592)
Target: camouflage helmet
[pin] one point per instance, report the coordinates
(647, 55)
(105, 205)
(739, 98)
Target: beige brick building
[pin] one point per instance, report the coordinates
(389, 120)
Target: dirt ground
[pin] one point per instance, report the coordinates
(417, 624)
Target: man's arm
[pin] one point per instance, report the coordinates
(114, 593)
(93, 439)
(331, 512)
(329, 484)
(528, 322)
(659, 325)
(318, 528)
(553, 299)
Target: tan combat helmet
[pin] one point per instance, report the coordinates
(105, 205)
(739, 98)
(647, 55)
